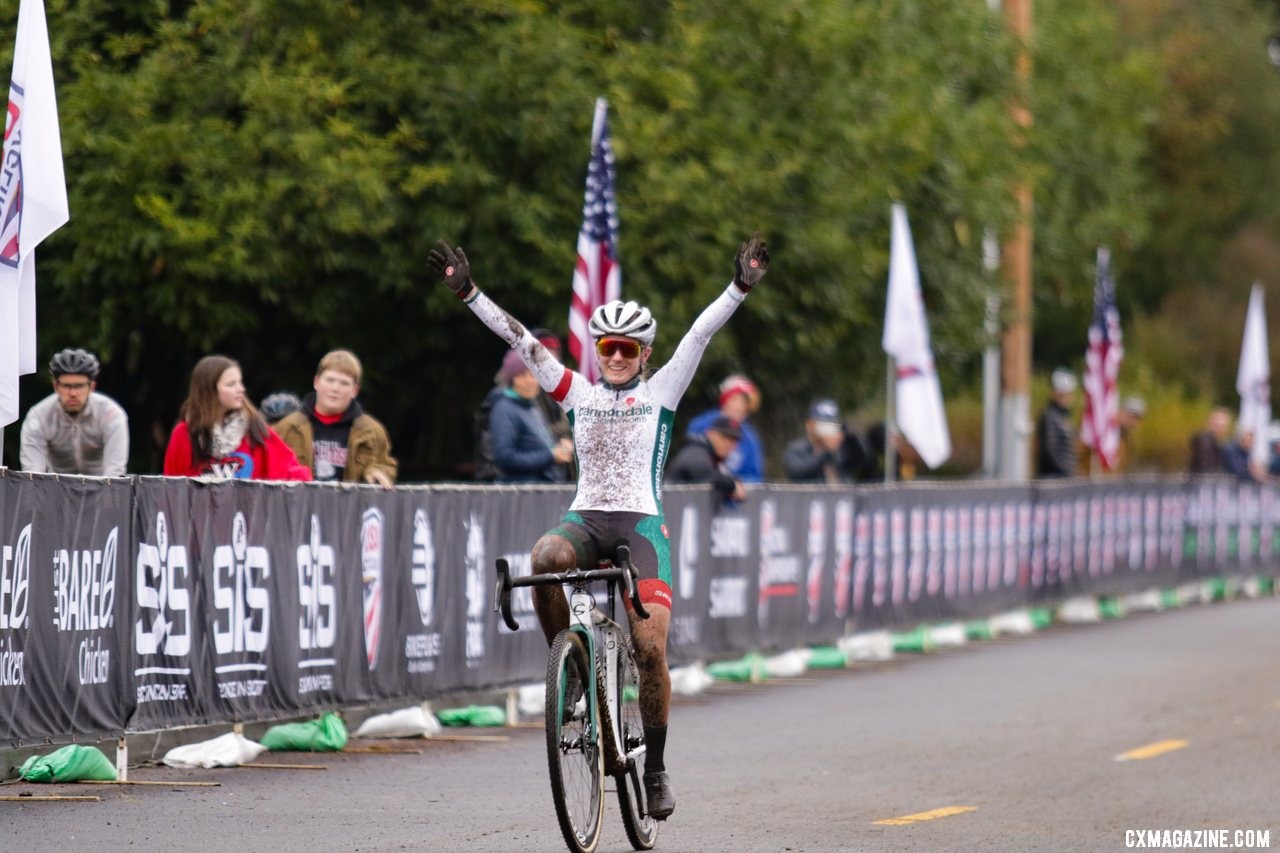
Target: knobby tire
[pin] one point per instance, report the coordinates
(574, 759)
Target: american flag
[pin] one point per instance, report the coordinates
(597, 279)
(1100, 429)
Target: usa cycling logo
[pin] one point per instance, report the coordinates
(11, 180)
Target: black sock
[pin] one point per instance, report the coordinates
(655, 741)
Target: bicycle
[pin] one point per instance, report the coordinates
(599, 734)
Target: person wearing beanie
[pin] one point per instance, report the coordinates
(1056, 451)
(739, 399)
(524, 448)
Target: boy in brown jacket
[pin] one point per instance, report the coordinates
(332, 435)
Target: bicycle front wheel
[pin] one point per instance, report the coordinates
(574, 755)
(642, 830)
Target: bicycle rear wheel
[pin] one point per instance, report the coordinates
(642, 830)
(574, 756)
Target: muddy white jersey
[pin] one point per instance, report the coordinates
(621, 434)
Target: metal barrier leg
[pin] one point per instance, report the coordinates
(513, 706)
(122, 759)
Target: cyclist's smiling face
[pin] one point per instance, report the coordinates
(621, 358)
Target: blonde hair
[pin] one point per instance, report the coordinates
(343, 361)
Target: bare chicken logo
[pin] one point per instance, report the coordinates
(84, 602)
(15, 583)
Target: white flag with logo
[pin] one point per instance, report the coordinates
(918, 397)
(1253, 381)
(33, 197)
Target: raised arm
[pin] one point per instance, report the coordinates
(751, 263)
(451, 267)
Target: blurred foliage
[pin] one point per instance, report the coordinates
(263, 178)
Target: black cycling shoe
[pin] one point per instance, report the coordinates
(660, 802)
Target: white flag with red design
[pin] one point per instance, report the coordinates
(33, 197)
(597, 278)
(918, 397)
(1253, 381)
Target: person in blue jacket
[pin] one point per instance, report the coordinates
(739, 398)
(524, 449)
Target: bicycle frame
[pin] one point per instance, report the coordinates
(588, 620)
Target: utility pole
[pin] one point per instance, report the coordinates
(1015, 370)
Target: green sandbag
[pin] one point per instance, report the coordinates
(1041, 617)
(1109, 607)
(473, 715)
(826, 657)
(1169, 599)
(326, 734)
(1266, 585)
(978, 629)
(918, 640)
(69, 764)
(749, 668)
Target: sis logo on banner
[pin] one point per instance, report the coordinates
(317, 612)
(163, 628)
(241, 599)
(317, 596)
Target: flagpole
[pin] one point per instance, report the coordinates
(890, 426)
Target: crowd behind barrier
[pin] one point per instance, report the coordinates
(145, 603)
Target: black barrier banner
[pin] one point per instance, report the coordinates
(64, 606)
(493, 524)
(417, 595)
(170, 652)
(154, 602)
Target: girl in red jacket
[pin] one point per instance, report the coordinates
(221, 434)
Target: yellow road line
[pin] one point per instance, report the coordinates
(945, 811)
(1151, 750)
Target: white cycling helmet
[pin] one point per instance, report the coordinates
(628, 319)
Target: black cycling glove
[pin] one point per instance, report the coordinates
(451, 267)
(751, 264)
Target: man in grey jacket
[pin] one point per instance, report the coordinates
(75, 430)
(1056, 453)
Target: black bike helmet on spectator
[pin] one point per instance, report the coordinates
(76, 362)
(626, 319)
(279, 405)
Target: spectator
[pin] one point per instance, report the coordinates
(221, 433)
(332, 435)
(524, 450)
(704, 459)
(1235, 458)
(1132, 411)
(1056, 454)
(1273, 440)
(827, 452)
(905, 458)
(276, 407)
(739, 398)
(485, 470)
(75, 430)
(1208, 445)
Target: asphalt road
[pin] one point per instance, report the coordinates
(1012, 744)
